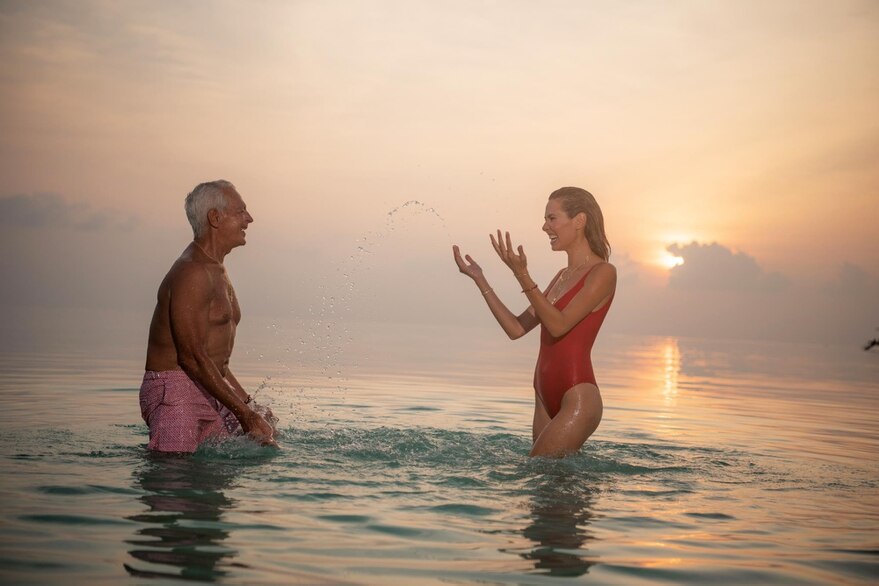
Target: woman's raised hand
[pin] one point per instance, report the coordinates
(518, 263)
(468, 267)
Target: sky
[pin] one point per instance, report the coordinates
(733, 147)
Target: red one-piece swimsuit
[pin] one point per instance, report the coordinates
(567, 361)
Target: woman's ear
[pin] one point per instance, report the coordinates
(580, 221)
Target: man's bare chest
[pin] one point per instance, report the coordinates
(224, 303)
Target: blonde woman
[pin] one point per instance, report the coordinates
(567, 406)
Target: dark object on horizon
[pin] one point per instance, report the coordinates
(871, 343)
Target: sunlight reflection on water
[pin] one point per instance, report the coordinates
(729, 461)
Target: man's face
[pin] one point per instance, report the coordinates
(234, 219)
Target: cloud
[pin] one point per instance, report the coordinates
(629, 271)
(716, 267)
(52, 210)
(850, 278)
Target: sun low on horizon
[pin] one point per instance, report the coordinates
(662, 255)
(668, 260)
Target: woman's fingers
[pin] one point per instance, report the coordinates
(456, 252)
(496, 245)
(470, 267)
(462, 266)
(504, 246)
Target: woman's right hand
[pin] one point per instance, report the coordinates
(468, 266)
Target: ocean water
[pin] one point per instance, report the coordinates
(404, 461)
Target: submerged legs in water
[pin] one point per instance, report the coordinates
(577, 419)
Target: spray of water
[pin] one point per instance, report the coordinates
(326, 336)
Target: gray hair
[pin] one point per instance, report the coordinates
(207, 196)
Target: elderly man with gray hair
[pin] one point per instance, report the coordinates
(188, 394)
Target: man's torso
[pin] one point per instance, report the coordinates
(222, 319)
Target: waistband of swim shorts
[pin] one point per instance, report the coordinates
(165, 375)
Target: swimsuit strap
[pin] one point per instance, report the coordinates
(583, 278)
(579, 284)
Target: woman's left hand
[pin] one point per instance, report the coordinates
(518, 263)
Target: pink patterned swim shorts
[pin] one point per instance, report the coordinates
(181, 414)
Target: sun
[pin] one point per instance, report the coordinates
(664, 257)
(670, 261)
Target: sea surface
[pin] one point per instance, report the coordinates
(404, 460)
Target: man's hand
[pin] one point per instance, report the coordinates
(259, 430)
(266, 413)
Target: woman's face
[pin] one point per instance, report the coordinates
(561, 229)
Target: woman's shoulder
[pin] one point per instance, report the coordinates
(603, 271)
(604, 267)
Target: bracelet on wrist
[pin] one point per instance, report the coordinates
(487, 291)
(529, 289)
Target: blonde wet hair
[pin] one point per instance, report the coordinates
(575, 200)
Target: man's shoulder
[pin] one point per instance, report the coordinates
(189, 272)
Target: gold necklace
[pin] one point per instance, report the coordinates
(205, 252)
(563, 278)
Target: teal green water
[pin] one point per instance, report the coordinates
(731, 462)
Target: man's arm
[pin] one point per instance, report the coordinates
(190, 299)
(262, 410)
(236, 386)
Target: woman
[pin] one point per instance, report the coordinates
(567, 406)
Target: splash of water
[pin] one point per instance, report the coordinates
(327, 336)
(416, 207)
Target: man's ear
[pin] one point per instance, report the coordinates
(214, 216)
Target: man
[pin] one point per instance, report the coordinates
(189, 394)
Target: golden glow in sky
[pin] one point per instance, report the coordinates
(751, 124)
(730, 120)
(670, 261)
